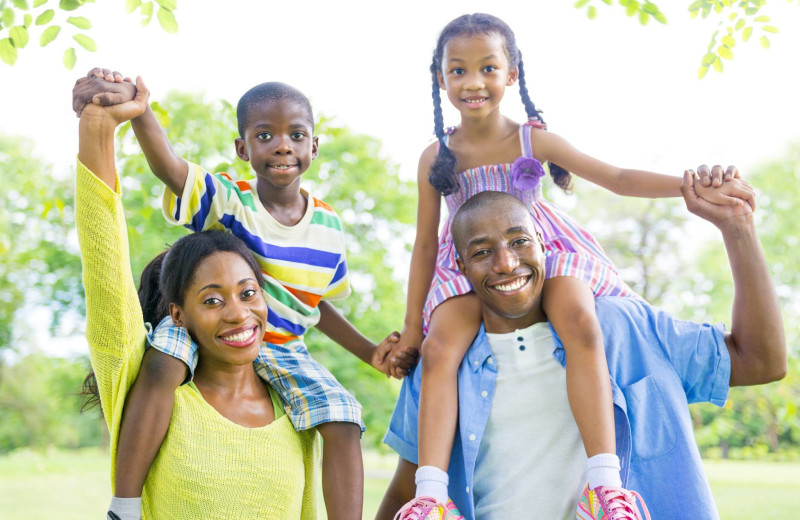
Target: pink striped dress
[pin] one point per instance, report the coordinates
(569, 250)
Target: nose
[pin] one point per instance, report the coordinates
(505, 261)
(236, 311)
(282, 145)
(474, 81)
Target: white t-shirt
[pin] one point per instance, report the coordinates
(531, 458)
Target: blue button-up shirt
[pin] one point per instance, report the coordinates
(658, 365)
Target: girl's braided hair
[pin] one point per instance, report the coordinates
(443, 171)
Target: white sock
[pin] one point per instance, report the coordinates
(125, 509)
(432, 482)
(603, 470)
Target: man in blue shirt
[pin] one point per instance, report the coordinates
(508, 459)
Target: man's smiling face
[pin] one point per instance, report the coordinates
(502, 255)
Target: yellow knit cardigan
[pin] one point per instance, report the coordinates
(208, 467)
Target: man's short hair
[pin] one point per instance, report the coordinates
(476, 202)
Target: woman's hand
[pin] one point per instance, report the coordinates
(101, 107)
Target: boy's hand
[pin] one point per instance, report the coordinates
(101, 87)
(379, 360)
(405, 352)
(122, 112)
(733, 191)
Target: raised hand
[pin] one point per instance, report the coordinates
(117, 113)
(717, 214)
(724, 189)
(101, 87)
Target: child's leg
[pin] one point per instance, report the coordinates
(453, 327)
(145, 419)
(569, 305)
(342, 470)
(315, 399)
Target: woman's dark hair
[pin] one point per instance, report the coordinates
(443, 171)
(165, 279)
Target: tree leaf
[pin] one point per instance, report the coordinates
(85, 42)
(147, 12)
(8, 53)
(643, 18)
(717, 65)
(765, 42)
(702, 72)
(37, 3)
(69, 5)
(725, 52)
(167, 20)
(132, 5)
(45, 18)
(7, 18)
(748, 31)
(762, 18)
(70, 58)
(80, 22)
(20, 4)
(696, 5)
(708, 59)
(660, 18)
(171, 5)
(770, 29)
(49, 35)
(28, 20)
(19, 36)
(732, 16)
(577, 5)
(729, 41)
(740, 24)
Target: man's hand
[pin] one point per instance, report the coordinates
(733, 191)
(101, 87)
(719, 215)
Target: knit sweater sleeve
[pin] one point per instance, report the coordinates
(114, 324)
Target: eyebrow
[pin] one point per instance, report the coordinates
(484, 238)
(489, 57)
(218, 286)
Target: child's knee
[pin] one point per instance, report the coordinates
(340, 433)
(160, 370)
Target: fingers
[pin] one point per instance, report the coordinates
(106, 74)
(732, 172)
(704, 175)
(109, 98)
(716, 175)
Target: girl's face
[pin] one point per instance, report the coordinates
(475, 73)
(224, 310)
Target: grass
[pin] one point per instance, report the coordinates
(73, 485)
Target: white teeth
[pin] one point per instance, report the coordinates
(475, 101)
(513, 286)
(282, 167)
(239, 337)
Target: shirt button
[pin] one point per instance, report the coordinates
(491, 361)
(484, 393)
(475, 362)
(468, 490)
(522, 347)
(520, 338)
(472, 436)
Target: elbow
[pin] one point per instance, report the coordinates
(770, 365)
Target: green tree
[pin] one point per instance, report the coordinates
(738, 21)
(40, 266)
(21, 21)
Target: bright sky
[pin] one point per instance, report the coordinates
(624, 93)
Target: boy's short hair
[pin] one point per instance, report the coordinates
(266, 92)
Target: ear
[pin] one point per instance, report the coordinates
(440, 79)
(513, 75)
(314, 147)
(241, 149)
(177, 315)
(460, 264)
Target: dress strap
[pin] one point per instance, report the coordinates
(525, 140)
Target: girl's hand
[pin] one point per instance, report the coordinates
(117, 113)
(102, 87)
(405, 352)
(715, 176)
(733, 192)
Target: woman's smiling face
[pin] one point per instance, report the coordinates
(224, 310)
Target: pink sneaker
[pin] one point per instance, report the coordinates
(610, 503)
(427, 508)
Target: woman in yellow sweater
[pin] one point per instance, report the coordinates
(230, 451)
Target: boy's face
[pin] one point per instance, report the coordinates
(278, 142)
